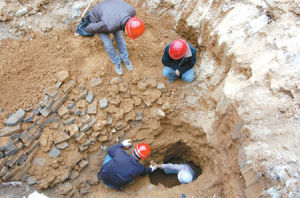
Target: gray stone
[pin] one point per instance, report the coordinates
(72, 105)
(62, 111)
(45, 101)
(53, 94)
(65, 188)
(78, 112)
(69, 120)
(22, 159)
(61, 137)
(59, 100)
(54, 153)
(45, 112)
(84, 128)
(22, 11)
(54, 125)
(161, 86)
(3, 171)
(90, 96)
(10, 130)
(103, 148)
(15, 118)
(29, 118)
(1, 109)
(103, 103)
(92, 108)
(58, 84)
(62, 145)
(39, 161)
(37, 110)
(95, 82)
(82, 95)
(74, 174)
(31, 180)
(5, 143)
(82, 148)
(69, 86)
(11, 151)
(83, 164)
(139, 116)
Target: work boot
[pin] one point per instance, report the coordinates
(118, 68)
(128, 65)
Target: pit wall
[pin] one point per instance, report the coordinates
(249, 57)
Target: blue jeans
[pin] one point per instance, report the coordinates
(187, 76)
(110, 49)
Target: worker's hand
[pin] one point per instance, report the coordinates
(127, 143)
(177, 72)
(159, 166)
(153, 168)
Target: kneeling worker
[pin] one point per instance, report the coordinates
(179, 59)
(119, 168)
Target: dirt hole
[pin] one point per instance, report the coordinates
(176, 154)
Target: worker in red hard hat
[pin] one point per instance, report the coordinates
(113, 17)
(179, 59)
(119, 168)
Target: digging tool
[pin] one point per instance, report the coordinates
(84, 21)
(86, 9)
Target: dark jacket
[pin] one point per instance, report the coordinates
(122, 168)
(110, 16)
(182, 65)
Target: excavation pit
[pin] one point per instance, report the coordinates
(177, 154)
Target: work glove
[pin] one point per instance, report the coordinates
(153, 168)
(126, 143)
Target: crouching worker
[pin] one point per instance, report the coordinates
(179, 59)
(119, 168)
(115, 16)
(185, 173)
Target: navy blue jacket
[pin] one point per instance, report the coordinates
(122, 168)
(182, 65)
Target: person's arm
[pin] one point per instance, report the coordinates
(95, 28)
(113, 149)
(146, 171)
(172, 166)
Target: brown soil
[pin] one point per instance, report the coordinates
(29, 65)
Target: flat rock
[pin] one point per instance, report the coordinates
(39, 161)
(92, 108)
(90, 96)
(10, 130)
(61, 137)
(5, 143)
(62, 75)
(15, 118)
(54, 152)
(103, 103)
(95, 82)
(62, 145)
(65, 188)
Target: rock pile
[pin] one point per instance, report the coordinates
(73, 116)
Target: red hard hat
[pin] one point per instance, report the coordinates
(142, 150)
(178, 49)
(134, 27)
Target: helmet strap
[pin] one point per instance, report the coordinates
(136, 155)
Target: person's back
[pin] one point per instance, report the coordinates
(121, 169)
